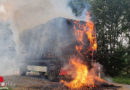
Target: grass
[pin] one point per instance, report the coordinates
(9, 88)
(121, 80)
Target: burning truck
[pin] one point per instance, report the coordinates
(52, 48)
(69, 51)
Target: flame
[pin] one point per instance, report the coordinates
(83, 77)
(90, 33)
(88, 30)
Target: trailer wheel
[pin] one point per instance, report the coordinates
(52, 75)
(42, 74)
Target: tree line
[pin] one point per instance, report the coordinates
(112, 21)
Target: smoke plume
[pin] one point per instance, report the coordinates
(23, 33)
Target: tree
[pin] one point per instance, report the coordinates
(112, 22)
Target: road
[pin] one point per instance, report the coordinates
(38, 83)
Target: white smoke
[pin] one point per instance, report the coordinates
(24, 15)
(7, 49)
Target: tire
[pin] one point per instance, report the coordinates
(42, 74)
(52, 76)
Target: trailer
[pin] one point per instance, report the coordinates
(61, 40)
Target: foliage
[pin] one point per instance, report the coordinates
(122, 80)
(112, 23)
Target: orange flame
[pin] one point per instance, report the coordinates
(83, 77)
(88, 30)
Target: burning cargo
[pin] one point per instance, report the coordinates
(59, 44)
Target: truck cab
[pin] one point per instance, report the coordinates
(48, 66)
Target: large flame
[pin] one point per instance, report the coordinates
(86, 29)
(83, 77)
(90, 33)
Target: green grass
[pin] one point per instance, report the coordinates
(122, 80)
(9, 88)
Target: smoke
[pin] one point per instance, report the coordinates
(7, 49)
(50, 37)
(28, 14)
(29, 37)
